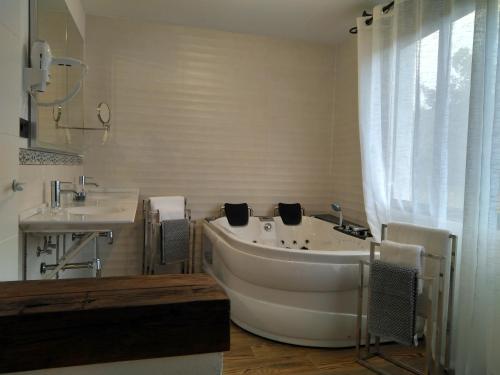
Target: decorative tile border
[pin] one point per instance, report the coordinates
(37, 157)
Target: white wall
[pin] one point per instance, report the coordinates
(347, 186)
(75, 8)
(210, 115)
(13, 104)
(214, 116)
(10, 106)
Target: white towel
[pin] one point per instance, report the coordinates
(170, 208)
(404, 255)
(435, 241)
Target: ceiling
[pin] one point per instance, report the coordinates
(324, 21)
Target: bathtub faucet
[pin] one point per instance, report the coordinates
(336, 207)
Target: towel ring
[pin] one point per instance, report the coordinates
(103, 115)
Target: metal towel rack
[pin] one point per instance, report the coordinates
(435, 313)
(152, 255)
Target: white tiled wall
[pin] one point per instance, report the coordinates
(10, 104)
(210, 115)
(347, 186)
(13, 40)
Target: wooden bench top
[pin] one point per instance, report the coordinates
(56, 323)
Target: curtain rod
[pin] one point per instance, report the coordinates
(368, 21)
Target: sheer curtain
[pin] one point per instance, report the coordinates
(414, 84)
(477, 349)
(429, 106)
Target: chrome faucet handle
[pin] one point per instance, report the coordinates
(82, 180)
(55, 192)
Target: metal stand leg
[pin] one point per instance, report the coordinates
(451, 293)
(57, 253)
(377, 344)
(359, 318)
(97, 259)
(25, 256)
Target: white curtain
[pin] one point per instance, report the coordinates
(478, 345)
(429, 106)
(414, 84)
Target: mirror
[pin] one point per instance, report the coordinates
(103, 113)
(51, 21)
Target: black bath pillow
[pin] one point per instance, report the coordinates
(291, 213)
(236, 214)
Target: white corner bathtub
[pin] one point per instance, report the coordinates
(282, 292)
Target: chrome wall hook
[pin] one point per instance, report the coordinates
(17, 186)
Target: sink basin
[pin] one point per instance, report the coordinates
(103, 210)
(90, 211)
(99, 196)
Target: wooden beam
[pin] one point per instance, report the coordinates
(56, 323)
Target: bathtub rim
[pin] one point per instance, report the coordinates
(233, 237)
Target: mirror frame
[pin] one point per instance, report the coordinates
(100, 107)
(33, 141)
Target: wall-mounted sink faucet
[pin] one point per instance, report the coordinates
(82, 181)
(336, 207)
(55, 192)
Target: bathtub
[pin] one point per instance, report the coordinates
(294, 284)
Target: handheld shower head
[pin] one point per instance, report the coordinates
(336, 207)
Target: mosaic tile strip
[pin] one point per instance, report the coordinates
(37, 157)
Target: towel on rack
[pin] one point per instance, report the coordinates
(169, 208)
(174, 241)
(404, 255)
(237, 214)
(291, 213)
(392, 302)
(435, 241)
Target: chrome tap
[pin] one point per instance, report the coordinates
(55, 192)
(82, 181)
(336, 207)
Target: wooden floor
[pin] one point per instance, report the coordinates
(252, 355)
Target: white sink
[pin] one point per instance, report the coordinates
(93, 195)
(103, 210)
(99, 196)
(93, 211)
